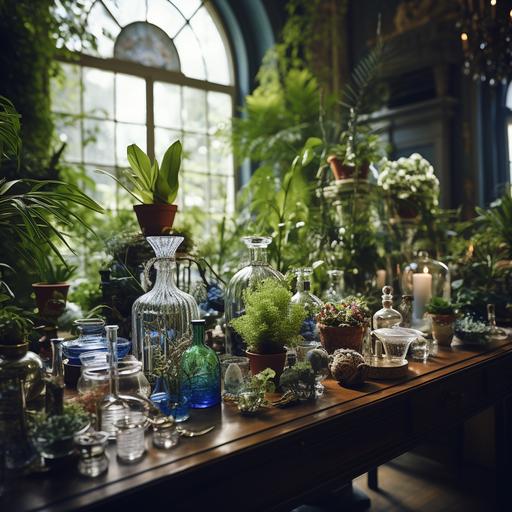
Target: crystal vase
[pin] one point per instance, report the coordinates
(258, 269)
(163, 316)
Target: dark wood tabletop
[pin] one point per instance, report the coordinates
(270, 460)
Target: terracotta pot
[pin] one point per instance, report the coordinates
(51, 298)
(155, 219)
(442, 328)
(342, 171)
(258, 362)
(333, 338)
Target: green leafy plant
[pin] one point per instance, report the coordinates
(52, 272)
(440, 306)
(261, 383)
(148, 182)
(298, 376)
(14, 325)
(10, 141)
(352, 311)
(359, 146)
(270, 322)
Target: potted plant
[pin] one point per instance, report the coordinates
(252, 395)
(154, 186)
(471, 331)
(342, 325)
(52, 290)
(15, 357)
(410, 184)
(299, 380)
(270, 323)
(443, 315)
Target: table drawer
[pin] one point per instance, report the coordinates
(448, 401)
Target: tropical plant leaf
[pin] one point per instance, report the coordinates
(167, 183)
(140, 164)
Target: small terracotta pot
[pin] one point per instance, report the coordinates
(333, 338)
(258, 362)
(442, 328)
(155, 219)
(51, 298)
(342, 171)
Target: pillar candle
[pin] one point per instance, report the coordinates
(422, 292)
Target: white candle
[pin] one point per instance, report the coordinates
(422, 292)
(381, 278)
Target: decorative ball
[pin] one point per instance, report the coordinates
(348, 367)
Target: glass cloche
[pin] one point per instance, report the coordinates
(164, 314)
(423, 279)
(258, 269)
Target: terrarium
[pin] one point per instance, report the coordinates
(164, 314)
(258, 269)
(423, 279)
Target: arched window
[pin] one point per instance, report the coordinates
(162, 70)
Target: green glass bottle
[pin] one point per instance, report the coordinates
(200, 371)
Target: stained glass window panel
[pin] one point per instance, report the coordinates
(167, 109)
(130, 99)
(192, 63)
(163, 14)
(127, 11)
(98, 93)
(187, 7)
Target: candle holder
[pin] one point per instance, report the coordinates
(423, 279)
(165, 435)
(91, 446)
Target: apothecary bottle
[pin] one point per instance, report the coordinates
(387, 316)
(258, 269)
(162, 316)
(311, 304)
(200, 371)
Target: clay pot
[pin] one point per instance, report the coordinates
(442, 328)
(258, 362)
(155, 219)
(51, 298)
(333, 338)
(343, 171)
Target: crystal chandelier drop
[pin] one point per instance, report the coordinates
(486, 36)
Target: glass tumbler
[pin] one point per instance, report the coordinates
(165, 435)
(91, 449)
(130, 438)
(420, 349)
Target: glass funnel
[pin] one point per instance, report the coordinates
(162, 316)
(336, 290)
(258, 269)
(423, 279)
(311, 304)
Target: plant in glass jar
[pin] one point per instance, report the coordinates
(410, 185)
(299, 380)
(270, 323)
(443, 315)
(252, 396)
(343, 325)
(154, 186)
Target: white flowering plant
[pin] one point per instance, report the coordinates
(410, 179)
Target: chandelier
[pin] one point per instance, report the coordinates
(486, 36)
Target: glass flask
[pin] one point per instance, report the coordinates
(423, 279)
(200, 371)
(336, 290)
(162, 316)
(257, 270)
(311, 304)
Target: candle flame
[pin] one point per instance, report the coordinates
(510, 13)
(425, 270)
(465, 37)
(494, 2)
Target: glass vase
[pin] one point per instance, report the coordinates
(258, 269)
(200, 371)
(161, 317)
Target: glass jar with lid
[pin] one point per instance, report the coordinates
(258, 269)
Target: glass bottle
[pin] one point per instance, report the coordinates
(311, 304)
(162, 316)
(336, 289)
(387, 316)
(200, 371)
(495, 332)
(405, 309)
(423, 279)
(257, 270)
(54, 398)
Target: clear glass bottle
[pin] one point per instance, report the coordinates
(423, 279)
(405, 309)
(336, 290)
(54, 397)
(200, 371)
(387, 316)
(257, 270)
(310, 302)
(163, 315)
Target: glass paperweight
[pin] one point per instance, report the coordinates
(311, 304)
(336, 290)
(423, 279)
(162, 316)
(200, 371)
(257, 270)
(91, 447)
(130, 437)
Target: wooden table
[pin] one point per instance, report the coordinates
(275, 460)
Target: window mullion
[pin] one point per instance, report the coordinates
(150, 119)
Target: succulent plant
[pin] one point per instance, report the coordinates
(348, 367)
(440, 306)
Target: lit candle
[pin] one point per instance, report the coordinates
(422, 292)
(464, 38)
(493, 8)
(381, 278)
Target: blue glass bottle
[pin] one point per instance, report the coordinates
(200, 371)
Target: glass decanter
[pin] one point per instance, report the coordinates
(163, 315)
(311, 304)
(336, 290)
(423, 279)
(387, 316)
(257, 270)
(200, 371)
